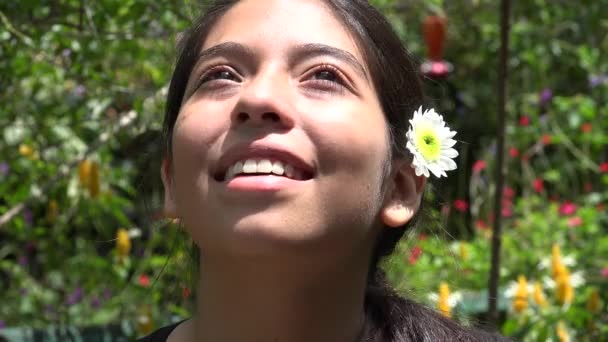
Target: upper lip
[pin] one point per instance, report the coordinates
(261, 150)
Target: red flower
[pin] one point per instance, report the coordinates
(414, 255)
(575, 221)
(567, 208)
(524, 121)
(604, 167)
(508, 192)
(480, 165)
(586, 127)
(546, 139)
(481, 225)
(513, 152)
(538, 185)
(461, 205)
(144, 280)
(186, 292)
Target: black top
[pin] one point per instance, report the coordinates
(160, 335)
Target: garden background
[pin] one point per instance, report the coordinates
(83, 242)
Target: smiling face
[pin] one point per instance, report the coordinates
(281, 86)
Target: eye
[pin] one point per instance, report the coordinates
(219, 74)
(326, 75)
(326, 78)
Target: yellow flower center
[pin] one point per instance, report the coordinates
(428, 142)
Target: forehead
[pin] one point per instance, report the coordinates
(273, 25)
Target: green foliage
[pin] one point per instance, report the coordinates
(73, 73)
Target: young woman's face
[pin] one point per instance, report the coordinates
(281, 87)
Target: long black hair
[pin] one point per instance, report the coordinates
(389, 317)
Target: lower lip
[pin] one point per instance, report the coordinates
(260, 183)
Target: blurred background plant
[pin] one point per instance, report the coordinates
(83, 86)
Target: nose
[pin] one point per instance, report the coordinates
(265, 101)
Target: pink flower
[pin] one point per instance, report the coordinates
(524, 121)
(575, 221)
(604, 272)
(513, 152)
(414, 255)
(461, 205)
(506, 210)
(538, 185)
(604, 167)
(508, 192)
(567, 208)
(480, 165)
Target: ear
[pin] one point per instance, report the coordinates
(169, 209)
(404, 195)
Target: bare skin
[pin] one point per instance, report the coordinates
(288, 264)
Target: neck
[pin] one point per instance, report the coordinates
(266, 300)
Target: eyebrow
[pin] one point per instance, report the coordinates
(305, 51)
(227, 49)
(297, 54)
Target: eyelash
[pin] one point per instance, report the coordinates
(213, 70)
(339, 84)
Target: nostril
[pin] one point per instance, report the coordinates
(242, 117)
(274, 117)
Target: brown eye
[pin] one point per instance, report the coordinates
(326, 75)
(221, 74)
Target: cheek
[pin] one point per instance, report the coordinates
(193, 136)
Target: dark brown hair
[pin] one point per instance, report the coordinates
(389, 317)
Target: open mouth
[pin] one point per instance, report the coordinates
(262, 167)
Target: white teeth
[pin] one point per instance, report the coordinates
(263, 166)
(278, 168)
(250, 166)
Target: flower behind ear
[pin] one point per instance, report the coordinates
(430, 141)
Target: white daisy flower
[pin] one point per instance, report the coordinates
(430, 141)
(576, 280)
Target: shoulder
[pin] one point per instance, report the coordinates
(160, 335)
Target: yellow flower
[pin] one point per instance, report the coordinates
(557, 265)
(564, 292)
(123, 243)
(539, 296)
(593, 302)
(27, 151)
(443, 301)
(561, 332)
(520, 299)
(463, 250)
(52, 211)
(84, 168)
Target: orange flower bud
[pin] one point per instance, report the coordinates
(443, 302)
(93, 183)
(123, 243)
(84, 169)
(520, 299)
(539, 296)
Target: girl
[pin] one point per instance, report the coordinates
(288, 163)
